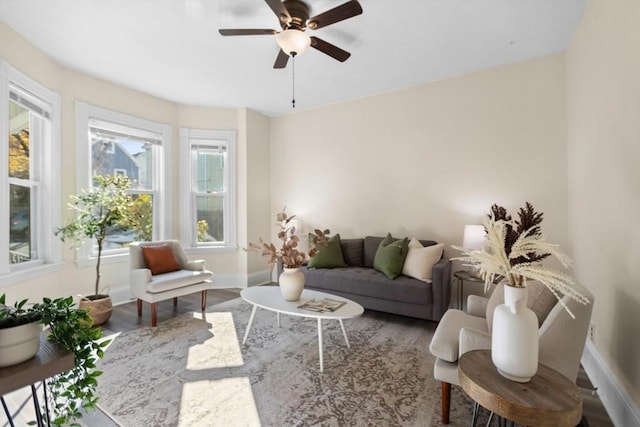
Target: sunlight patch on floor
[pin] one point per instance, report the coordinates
(228, 401)
(224, 343)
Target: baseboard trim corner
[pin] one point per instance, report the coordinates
(621, 409)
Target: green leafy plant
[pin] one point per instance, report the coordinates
(71, 328)
(106, 205)
(515, 250)
(17, 315)
(290, 253)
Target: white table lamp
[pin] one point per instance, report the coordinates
(474, 237)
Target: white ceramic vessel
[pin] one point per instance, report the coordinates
(291, 283)
(514, 339)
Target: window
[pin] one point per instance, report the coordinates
(112, 143)
(208, 207)
(29, 166)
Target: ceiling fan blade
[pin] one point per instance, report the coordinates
(281, 60)
(339, 13)
(329, 49)
(245, 32)
(278, 8)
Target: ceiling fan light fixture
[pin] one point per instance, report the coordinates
(293, 41)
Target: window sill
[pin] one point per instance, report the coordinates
(30, 273)
(210, 250)
(106, 259)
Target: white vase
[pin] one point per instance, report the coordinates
(19, 343)
(514, 338)
(291, 283)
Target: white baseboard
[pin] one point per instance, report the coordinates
(259, 278)
(621, 409)
(120, 295)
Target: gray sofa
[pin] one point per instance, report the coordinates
(360, 282)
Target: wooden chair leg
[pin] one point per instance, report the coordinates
(446, 402)
(154, 314)
(139, 307)
(175, 301)
(204, 300)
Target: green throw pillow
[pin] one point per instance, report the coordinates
(329, 256)
(390, 256)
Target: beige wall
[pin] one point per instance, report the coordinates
(258, 196)
(603, 74)
(75, 86)
(427, 160)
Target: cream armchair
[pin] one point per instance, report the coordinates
(561, 337)
(161, 270)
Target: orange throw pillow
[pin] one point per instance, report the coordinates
(160, 259)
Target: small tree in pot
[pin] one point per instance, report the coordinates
(106, 205)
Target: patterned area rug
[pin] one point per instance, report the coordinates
(190, 371)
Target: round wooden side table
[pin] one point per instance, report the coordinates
(548, 399)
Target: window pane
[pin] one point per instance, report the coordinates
(210, 171)
(113, 154)
(18, 141)
(210, 224)
(19, 224)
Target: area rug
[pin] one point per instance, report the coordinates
(194, 371)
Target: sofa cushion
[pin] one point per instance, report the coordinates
(160, 259)
(390, 256)
(329, 255)
(420, 260)
(371, 244)
(353, 251)
(349, 281)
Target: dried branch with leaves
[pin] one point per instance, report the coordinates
(515, 250)
(290, 253)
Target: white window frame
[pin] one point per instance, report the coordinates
(162, 216)
(48, 165)
(188, 235)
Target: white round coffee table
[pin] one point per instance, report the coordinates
(270, 298)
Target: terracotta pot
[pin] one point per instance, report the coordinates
(100, 308)
(291, 283)
(514, 339)
(19, 343)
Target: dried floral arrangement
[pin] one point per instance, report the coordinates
(290, 253)
(515, 250)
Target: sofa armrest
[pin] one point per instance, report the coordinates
(441, 285)
(473, 339)
(477, 306)
(195, 265)
(139, 278)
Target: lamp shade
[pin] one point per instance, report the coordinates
(293, 41)
(474, 237)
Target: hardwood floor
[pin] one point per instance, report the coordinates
(125, 318)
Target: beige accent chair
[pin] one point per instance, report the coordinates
(561, 344)
(191, 277)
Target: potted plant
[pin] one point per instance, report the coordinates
(72, 329)
(292, 257)
(515, 250)
(98, 210)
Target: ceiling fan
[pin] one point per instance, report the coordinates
(294, 20)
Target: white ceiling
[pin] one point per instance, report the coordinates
(172, 49)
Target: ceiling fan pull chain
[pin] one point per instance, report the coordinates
(293, 79)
